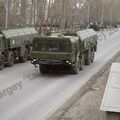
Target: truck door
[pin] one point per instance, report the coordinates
(2, 43)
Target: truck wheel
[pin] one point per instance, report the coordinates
(82, 63)
(75, 69)
(11, 59)
(24, 58)
(92, 56)
(88, 59)
(87, 62)
(30, 53)
(2, 61)
(43, 69)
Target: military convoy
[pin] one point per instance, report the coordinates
(73, 49)
(15, 44)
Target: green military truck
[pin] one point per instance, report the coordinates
(88, 40)
(72, 50)
(15, 44)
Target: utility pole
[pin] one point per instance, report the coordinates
(6, 14)
(102, 18)
(64, 11)
(111, 13)
(64, 7)
(88, 18)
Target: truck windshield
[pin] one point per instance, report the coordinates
(52, 47)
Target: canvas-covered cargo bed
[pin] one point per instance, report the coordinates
(18, 37)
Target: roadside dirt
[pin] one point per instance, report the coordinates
(87, 105)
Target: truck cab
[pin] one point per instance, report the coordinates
(55, 51)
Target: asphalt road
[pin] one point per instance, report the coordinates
(25, 94)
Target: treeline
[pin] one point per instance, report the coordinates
(57, 14)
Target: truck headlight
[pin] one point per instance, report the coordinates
(34, 60)
(68, 62)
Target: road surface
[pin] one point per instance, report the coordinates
(25, 94)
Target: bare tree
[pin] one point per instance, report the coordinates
(57, 14)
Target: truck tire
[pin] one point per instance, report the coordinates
(24, 58)
(88, 59)
(92, 56)
(11, 59)
(87, 62)
(43, 69)
(82, 63)
(75, 69)
(30, 53)
(2, 61)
